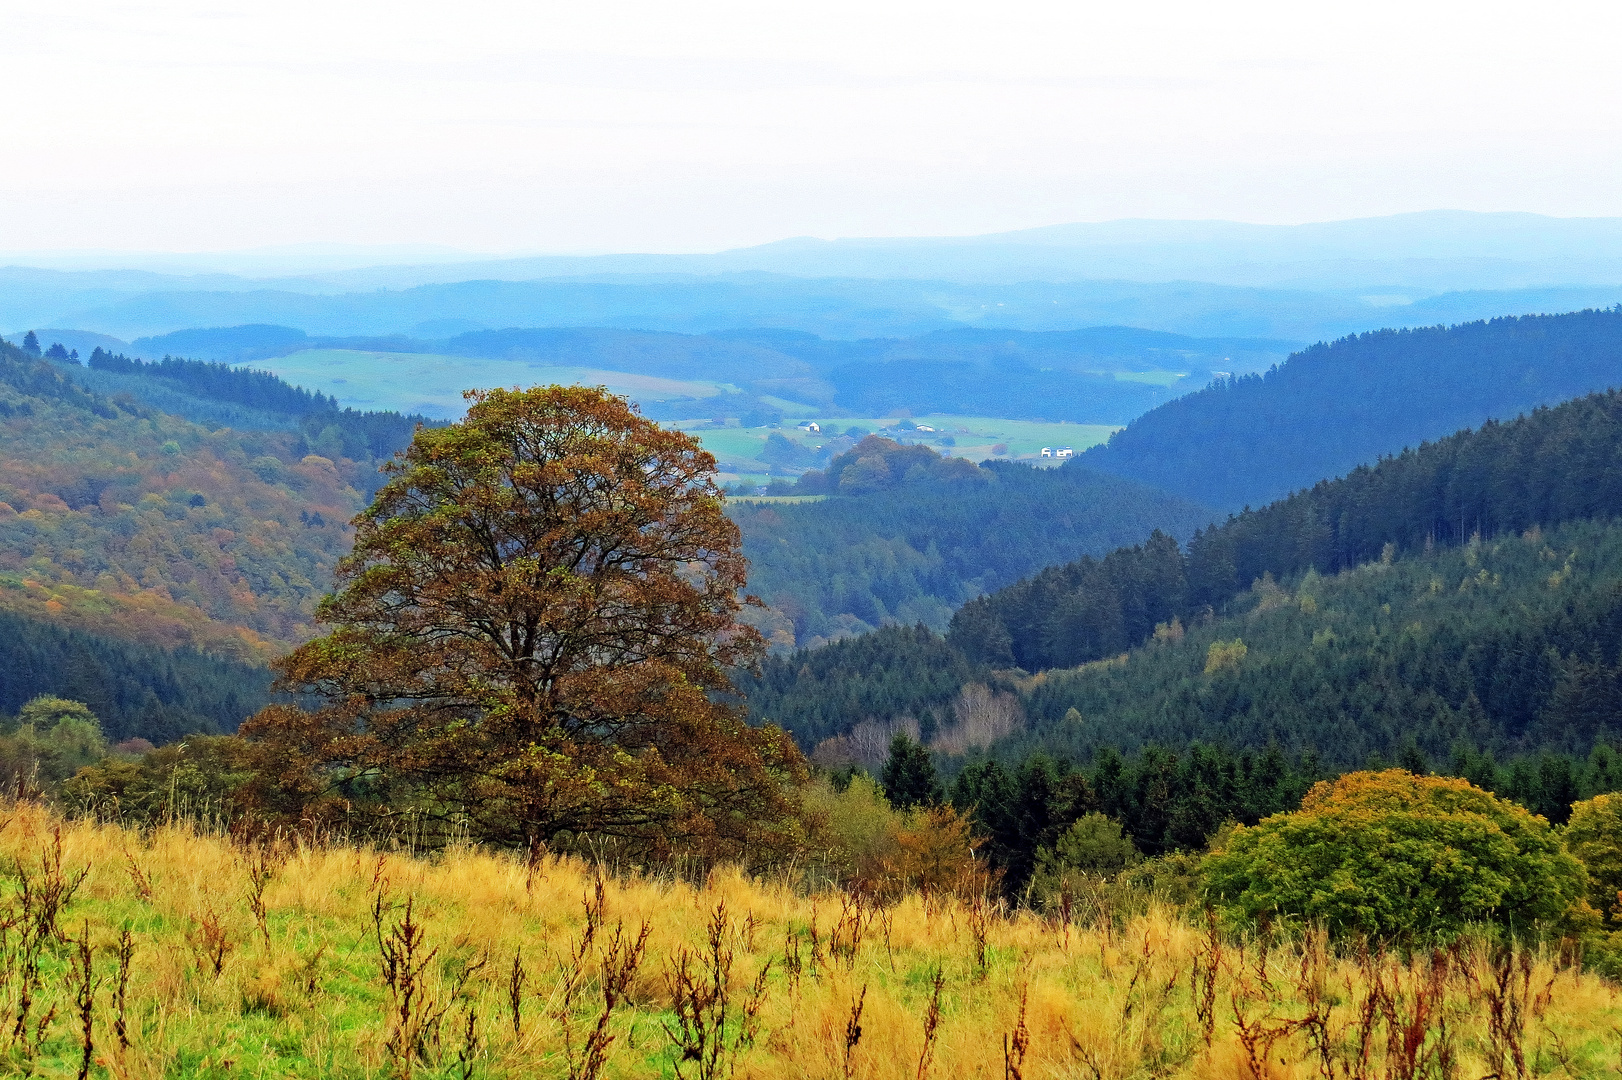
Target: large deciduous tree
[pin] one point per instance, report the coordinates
(532, 637)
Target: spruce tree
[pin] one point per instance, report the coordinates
(909, 777)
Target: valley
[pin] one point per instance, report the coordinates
(1024, 692)
(810, 542)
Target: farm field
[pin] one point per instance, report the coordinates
(432, 385)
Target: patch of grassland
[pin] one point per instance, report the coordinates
(776, 498)
(296, 961)
(433, 385)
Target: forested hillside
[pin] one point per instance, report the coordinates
(1552, 466)
(1442, 501)
(1507, 646)
(906, 536)
(125, 521)
(215, 393)
(136, 689)
(1249, 440)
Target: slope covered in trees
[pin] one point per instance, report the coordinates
(906, 536)
(135, 689)
(125, 521)
(1505, 646)
(1334, 406)
(1552, 466)
(215, 393)
(1443, 501)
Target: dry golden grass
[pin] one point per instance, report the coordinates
(210, 990)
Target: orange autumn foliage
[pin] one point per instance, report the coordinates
(531, 639)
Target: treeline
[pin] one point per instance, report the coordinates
(136, 690)
(909, 535)
(1169, 801)
(331, 430)
(1250, 440)
(206, 378)
(33, 378)
(1554, 465)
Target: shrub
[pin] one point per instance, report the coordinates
(1093, 850)
(862, 843)
(53, 738)
(207, 775)
(1594, 836)
(1394, 855)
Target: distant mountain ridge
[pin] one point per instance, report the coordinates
(1433, 251)
(1211, 279)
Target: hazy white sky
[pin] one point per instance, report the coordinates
(673, 126)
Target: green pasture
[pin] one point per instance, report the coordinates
(973, 437)
(432, 385)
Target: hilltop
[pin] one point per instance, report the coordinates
(1255, 438)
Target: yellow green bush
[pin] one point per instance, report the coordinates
(1394, 855)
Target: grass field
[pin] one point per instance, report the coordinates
(178, 954)
(433, 385)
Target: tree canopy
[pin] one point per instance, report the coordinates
(532, 636)
(1391, 854)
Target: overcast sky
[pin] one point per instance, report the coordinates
(673, 126)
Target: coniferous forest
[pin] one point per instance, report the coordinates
(1250, 440)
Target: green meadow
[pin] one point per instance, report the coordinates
(433, 385)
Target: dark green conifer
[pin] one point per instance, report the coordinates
(909, 777)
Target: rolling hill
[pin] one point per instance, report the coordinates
(1423, 602)
(906, 536)
(1326, 410)
(1105, 374)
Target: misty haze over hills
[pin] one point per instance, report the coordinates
(1297, 283)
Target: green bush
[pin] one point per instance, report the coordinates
(1092, 851)
(1398, 856)
(1594, 836)
(51, 740)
